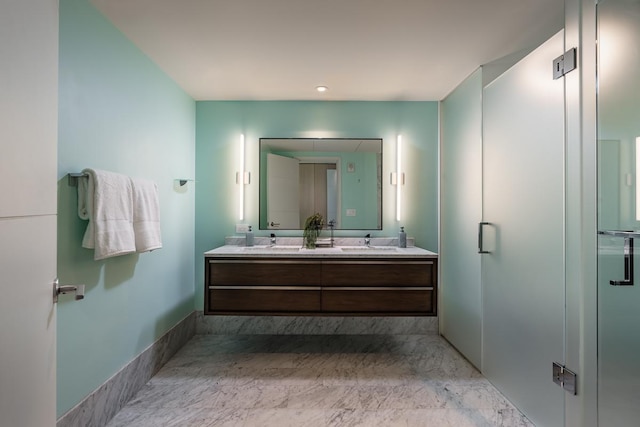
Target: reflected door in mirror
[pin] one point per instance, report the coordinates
(318, 191)
(283, 186)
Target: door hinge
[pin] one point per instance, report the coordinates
(564, 63)
(565, 378)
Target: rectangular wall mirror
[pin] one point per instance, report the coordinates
(339, 178)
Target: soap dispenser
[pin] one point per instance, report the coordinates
(249, 237)
(402, 238)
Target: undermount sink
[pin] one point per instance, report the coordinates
(271, 248)
(335, 249)
(368, 248)
(327, 249)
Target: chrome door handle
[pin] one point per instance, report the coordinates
(58, 289)
(480, 250)
(628, 264)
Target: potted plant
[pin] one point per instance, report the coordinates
(312, 227)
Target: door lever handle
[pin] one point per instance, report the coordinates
(58, 289)
(480, 250)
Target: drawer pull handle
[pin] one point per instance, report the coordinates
(266, 261)
(266, 288)
(377, 288)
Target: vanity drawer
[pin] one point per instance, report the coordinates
(399, 300)
(263, 273)
(264, 299)
(378, 273)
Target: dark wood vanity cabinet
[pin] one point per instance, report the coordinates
(297, 286)
(377, 286)
(261, 285)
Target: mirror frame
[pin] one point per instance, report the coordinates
(262, 191)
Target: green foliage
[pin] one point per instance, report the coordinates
(312, 227)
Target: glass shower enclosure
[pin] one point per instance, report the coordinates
(618, 104)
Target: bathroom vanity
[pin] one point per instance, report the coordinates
(344, 281)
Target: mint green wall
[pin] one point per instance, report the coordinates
(220, 123)
(359, 190)
(119, 112)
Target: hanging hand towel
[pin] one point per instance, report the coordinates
(105, 199)
(146, 215)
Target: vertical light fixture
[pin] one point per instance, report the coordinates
(637, 172)
(399, 177)
(242, 178)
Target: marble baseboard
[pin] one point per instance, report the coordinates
(310, 325)
(107, 400)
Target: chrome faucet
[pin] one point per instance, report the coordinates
(367, 240)
(273, 239)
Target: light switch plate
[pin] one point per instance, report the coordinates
(351, 212)
(242, 228)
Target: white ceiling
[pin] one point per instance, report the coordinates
(377, 50)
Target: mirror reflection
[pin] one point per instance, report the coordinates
(339, 178)
(618, 118)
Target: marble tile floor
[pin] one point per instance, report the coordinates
(318, 380)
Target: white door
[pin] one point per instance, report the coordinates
(28, 205)
(523, 274)
(283, 187)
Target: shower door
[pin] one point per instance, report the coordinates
(523, 277)
(618, 212)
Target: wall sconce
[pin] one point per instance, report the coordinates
(242, 177)
(397, 177)
(637, 172)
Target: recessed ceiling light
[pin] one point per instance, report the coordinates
(321, 88)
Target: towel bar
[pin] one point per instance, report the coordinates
(73, 178)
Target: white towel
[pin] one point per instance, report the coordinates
(146, 215)
(106, 200)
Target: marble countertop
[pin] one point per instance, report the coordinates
(341, 251)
